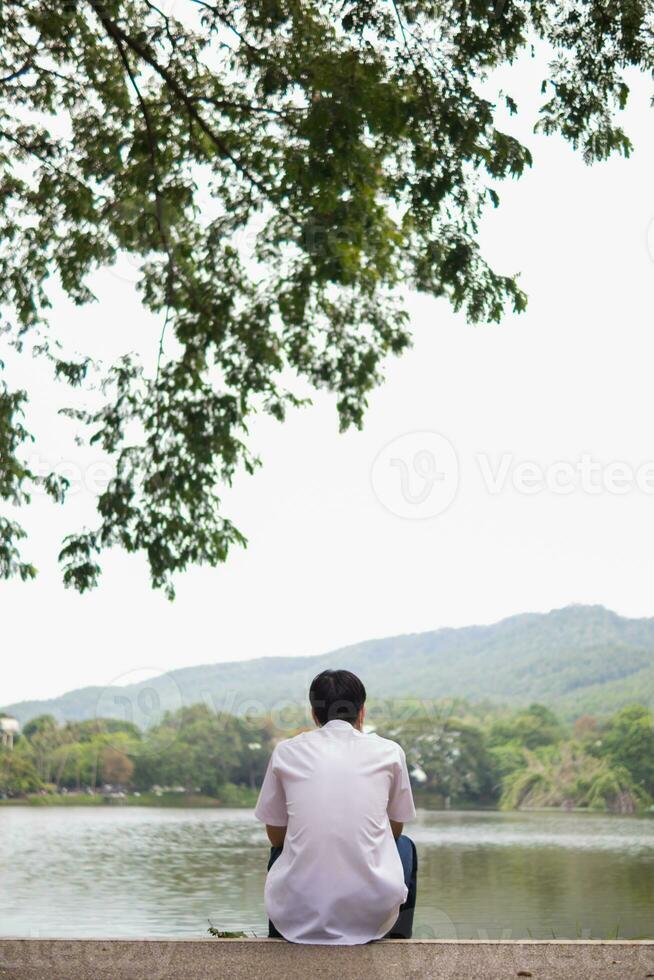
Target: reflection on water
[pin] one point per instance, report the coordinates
(154, 872)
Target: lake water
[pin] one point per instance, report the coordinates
(129, 872)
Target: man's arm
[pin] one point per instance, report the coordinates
(400, 800)
(271, 805)
(276, 835)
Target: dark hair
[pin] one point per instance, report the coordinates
(336, 694)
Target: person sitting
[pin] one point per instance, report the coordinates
(334, 801)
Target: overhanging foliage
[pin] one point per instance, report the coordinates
(348, 143)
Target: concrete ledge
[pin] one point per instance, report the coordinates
(251, 959)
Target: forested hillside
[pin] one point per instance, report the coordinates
(581, 659)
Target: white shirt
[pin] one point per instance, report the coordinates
(339, 878)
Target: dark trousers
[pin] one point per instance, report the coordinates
(404, 924)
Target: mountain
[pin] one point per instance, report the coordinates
(577, 659)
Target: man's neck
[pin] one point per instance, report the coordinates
(357, 725)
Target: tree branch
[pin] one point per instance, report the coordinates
(116, 32)
(163, 231)
(228, 24)
(16, 74)
(152, 150)
(32, 151)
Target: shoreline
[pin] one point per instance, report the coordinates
(165, 800)
(247, 801)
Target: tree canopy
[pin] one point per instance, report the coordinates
(479, 758)
(282, 173)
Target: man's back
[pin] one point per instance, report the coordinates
(339, 878)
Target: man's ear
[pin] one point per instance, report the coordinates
(313, 715)
(362, 716)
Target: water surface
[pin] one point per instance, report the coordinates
(131, 871)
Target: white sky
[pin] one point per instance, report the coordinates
(329, 564)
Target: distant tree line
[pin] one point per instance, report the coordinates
(525, 759)
(529, 759)
(194, 749)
